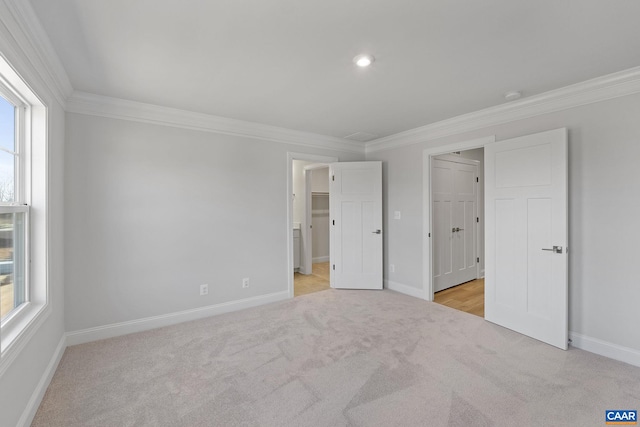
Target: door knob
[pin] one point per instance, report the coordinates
(555, 249)
(377, 232)
(459, 229)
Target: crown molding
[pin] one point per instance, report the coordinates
(115, 108)
(610, 86)
(37, 47)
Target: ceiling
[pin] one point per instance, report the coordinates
(288, 63)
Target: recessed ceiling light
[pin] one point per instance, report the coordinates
(364, 60)
(512, 95)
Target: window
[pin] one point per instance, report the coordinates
(24, 271)
(13, 210)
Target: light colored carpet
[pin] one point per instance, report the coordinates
(335, 358)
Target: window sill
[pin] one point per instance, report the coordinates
(18, 331)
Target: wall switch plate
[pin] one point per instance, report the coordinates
(204, 289)
(245, 282)
(397, 215)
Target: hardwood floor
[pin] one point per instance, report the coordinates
(308, 283)
(467, 297)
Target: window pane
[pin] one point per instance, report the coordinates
(7, 175)
(12, 261)
(7, 125)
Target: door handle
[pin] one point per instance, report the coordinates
(456, 229)
(377, 232)
(555, 249)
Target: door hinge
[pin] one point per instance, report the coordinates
(333, 177)
(334, 267)
(429, 234)
(477, 179)
(478, 259)
(333, 222)
(477, 219)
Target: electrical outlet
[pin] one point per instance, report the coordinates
(392, 267)
(245, 282)
(204, 289)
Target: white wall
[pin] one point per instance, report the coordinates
(27, 376)
(155, 211)
(320, 180)
(604, 149)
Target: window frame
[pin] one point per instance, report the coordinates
(15, 312)
(31, 197)
(20, 203)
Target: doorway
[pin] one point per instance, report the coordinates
(458, 242)
(309, 224)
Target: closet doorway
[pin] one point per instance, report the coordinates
(458, 233)
(311, 227)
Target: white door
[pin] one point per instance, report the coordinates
(526, 235)
(355, 204)
(454, 195)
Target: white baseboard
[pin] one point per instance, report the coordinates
(139, 325)
(321, 259)
(604, 348)
(36, 398)
(404, 289)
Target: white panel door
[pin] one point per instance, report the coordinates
(454, 195)
(355, 204)
(526, 278)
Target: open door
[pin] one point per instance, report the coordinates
(526, 278)
(356, 225)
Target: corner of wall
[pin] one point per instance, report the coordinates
(38, 393)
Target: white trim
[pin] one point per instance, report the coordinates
(115, 108)
(24, 334)
(38, 393)
(604, 348)
(610, 86)
(139, 325)
(316, 166)
(404, 289)
(427, 283)
(40, 51)
(321, 258)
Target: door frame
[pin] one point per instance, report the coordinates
(427, 215)
(291, 156)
